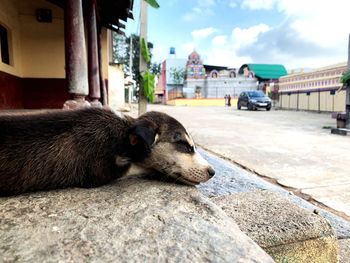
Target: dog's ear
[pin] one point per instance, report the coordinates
(142, 134)
(141, 137)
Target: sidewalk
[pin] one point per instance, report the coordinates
(294, 148)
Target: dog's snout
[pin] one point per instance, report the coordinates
(211, 172)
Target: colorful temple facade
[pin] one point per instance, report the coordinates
(207, 81)
(194, 67)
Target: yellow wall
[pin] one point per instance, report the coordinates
(38, 48)
(293, 101)
(284, 101)
(116, 97)
(339, 100)
(200, 102)
(9, 19)
(43, 54)
(328, 102)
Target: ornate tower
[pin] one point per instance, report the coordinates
(194, 67)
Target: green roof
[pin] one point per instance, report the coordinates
(268, 71)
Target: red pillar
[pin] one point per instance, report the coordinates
(102, 81)
(76, 68)
(94, 70)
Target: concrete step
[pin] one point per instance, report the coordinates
(287, 232)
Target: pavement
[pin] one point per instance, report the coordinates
(295, 149)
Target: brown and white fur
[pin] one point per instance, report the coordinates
(91, 147)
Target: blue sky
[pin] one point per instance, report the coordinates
(295, 33)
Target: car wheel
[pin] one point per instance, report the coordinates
(238, 105)
(268, 108)
(250, 106)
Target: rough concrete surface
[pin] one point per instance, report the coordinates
(231, 179)
(285, 231)
(132, 220)
(291, 147)
(344, 250)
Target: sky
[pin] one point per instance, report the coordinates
(295, 33)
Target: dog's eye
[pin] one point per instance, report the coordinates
(185, 147)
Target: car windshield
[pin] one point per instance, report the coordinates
(255, 94)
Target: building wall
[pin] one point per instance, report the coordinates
(218, 88)
(42, 44)
(176, 63)
(319, 84)
(316, 101)
(200, 102)
(116, 92)
(11, 92)
(303, 101)
(35, 77)
(9, 18)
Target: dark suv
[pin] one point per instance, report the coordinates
(253, 100)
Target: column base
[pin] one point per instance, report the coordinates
(78, 102)
(96, 104)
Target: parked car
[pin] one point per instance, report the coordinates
(253, 100)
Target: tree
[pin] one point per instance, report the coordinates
(121, 54)
(156, 68)
(178, 75)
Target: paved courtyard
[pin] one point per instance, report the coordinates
(295, 148)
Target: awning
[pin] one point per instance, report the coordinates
(109, 11)
(265, 71)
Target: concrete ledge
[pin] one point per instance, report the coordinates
(340, 131)
(344, 250)
(129, 221)
(285, 231)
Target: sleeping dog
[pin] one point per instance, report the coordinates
(91, 147)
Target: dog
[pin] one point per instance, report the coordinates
(91, 147)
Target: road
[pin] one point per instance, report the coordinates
(296, 149)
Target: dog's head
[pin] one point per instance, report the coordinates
(161, 143)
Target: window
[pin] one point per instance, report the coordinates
(4, 43)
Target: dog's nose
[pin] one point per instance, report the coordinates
(211, 172)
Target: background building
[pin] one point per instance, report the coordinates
(268, 77)
(317, 90)
(171, 86)
(207, 81)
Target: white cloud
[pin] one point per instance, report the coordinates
(313, 34)
(258, 4)
(202, 33)
(232, 4)
(247, 36)
(188, 47)
(206, 2)
(219, 41)
(198, 12)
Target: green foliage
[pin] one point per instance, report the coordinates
(345, 79)
(121, 53)
(148, 85)
(152, 3)
(145, 51)
(178, 75)
(156, 68)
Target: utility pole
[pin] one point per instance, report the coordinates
(130, 71)
(347, 100)
(143, 63)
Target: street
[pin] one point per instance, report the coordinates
(294, 148)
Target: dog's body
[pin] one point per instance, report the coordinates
(91, 147)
